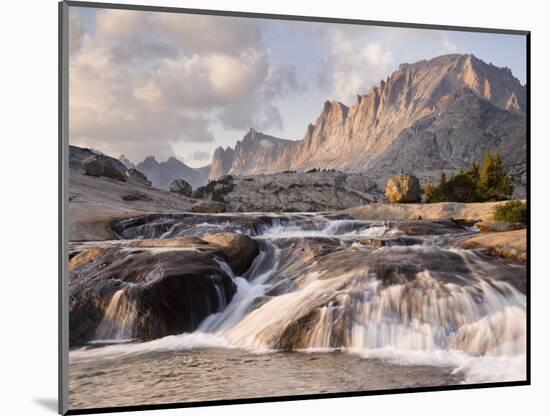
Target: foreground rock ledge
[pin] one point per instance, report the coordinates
(507, 244)
(479, 211)
(151, 288)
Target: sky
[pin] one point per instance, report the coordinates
(164, 84)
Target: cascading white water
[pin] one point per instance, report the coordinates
(263, 267)
(119, 319)
(423, 314)
(462, 313)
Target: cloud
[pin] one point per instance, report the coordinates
(448, 45)
(76, 33)
(358, 57)
(148, 81)
(199, 155)
(355, 65)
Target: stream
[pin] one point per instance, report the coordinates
(329, 304)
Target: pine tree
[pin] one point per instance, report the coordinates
(494, 183)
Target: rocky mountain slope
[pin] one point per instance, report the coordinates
(359, 138)
(453, 136)
(251, 156)
(291, 191)
(163, 173)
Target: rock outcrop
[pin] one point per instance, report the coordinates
(403, 189)
(472, 212)
(291, 191)
(238, 248)
(95, 202)
(180, 187)
(497, 226)
(508, 244)
(100, 165)
(151, 288)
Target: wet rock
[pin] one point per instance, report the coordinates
(181, 187)
(383, 242)
(497, 226)
(146, 289)
(403, 189)
(136, 176)
(80, 258)
(99, 165)
(182, 242)
(374, 242)
(426, 227)
(211, 207)
(239, 249)
(506, 244)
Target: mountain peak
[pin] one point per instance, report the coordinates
(150, 159)
(252, 133)
(174, 161)
(125, 161)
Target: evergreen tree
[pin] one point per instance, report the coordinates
(477, 184)
(494, 184)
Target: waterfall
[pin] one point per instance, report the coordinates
(315, 287)
(358, 311)
(262, 268)
(119, 319)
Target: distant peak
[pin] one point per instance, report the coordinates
(150, 159)
(252, 133)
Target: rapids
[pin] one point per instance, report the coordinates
(400, 293)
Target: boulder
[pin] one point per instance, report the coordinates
(181, 187)
(138, 177)
(403, 189)
(210, 207)
(146, 289)
(239, 249)
(497, 226)
(100, 165)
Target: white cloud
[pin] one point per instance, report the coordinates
(76, 33)
(358, 57)
(447, 45)
(356, 65)
(148, 81)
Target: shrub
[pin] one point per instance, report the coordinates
(477, 184)
(215, 190)
(462, 187)
(513, 211)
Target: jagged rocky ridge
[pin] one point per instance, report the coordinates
(365, 136)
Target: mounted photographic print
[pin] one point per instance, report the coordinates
(264, 207)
